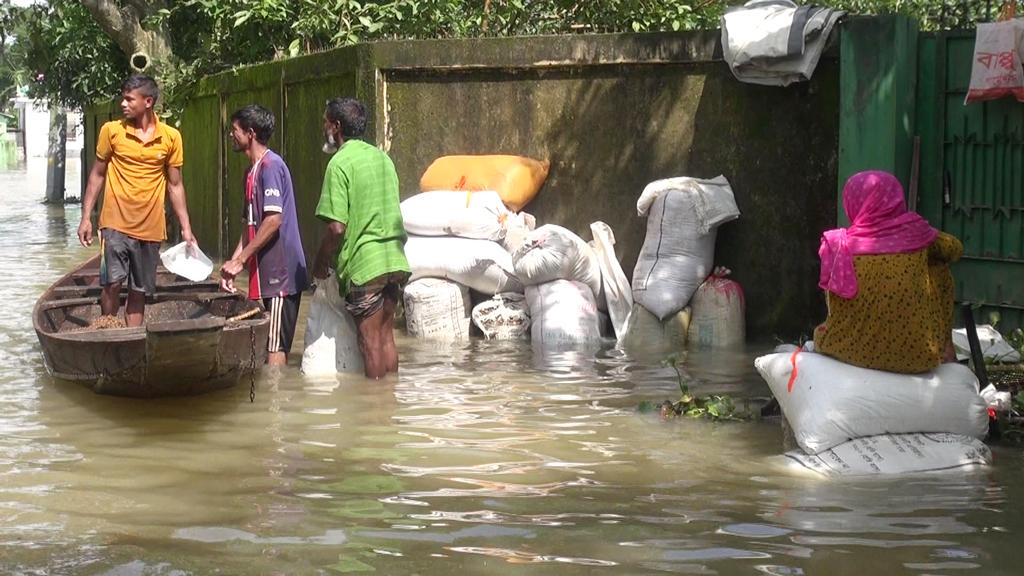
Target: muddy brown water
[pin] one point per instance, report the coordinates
(479, 458)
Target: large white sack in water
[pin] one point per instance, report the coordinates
(482, 265)
(331, 339)
(555, 253)
(679, 248)
(646, 333)
(437, 309)
(831, 402)
(504, 317)
(562, 312)
(618, 295)
(464, 214)
(896, 454)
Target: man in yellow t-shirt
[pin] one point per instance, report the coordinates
(138, 161)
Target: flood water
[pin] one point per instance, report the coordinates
(479, 458)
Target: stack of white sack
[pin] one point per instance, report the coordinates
(331, 344)
(553, 253)
(683, 215)
(506, 316)
(480, 215)
(460, 237)
(855, 421)
(563, 313)
(482, 265)
(437, 309)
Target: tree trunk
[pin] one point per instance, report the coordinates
(56, 156)
(122, 22)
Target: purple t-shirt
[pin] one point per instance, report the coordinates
(282, 263)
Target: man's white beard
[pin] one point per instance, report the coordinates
(330, 145)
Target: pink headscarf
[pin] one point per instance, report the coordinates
(879, 224)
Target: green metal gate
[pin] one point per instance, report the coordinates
(972, 176)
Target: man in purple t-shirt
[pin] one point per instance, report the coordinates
(270, 246)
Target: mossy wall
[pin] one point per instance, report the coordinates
(611, 113)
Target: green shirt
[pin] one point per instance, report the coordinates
(361, 191)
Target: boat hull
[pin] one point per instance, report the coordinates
(192, 341)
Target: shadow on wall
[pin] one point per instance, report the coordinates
(779, 149)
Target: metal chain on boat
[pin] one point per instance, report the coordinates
(252, 364)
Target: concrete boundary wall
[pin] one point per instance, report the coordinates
(611, 113)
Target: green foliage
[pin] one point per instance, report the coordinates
(930, 14)
(64, 55)
(69, 59)
(716, 407)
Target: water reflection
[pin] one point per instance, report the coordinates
(482, 457)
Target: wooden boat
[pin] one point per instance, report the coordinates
(193, 340)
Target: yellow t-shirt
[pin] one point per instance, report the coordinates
(133, 197)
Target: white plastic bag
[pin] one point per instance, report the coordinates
(896, 454)
(562, 312)
(618, 294)
(195, 267)
(479, 215)
(993, 346)
(504, 317)
(437, 309)
(331, 341)
(829, 402)
(482, 265)
(718, 313)
(1000, 401)
(683, 215)
(554, 253)
(996, 69)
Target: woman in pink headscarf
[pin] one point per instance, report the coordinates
(887, 282)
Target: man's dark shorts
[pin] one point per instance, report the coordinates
(367, 299)
(124, 257)
(284, 315)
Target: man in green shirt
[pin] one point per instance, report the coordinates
(364, 237)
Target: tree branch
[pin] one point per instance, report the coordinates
(122, 22)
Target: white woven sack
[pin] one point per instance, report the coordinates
(718, 319)
(562, 312)
(897, 454)
(831, 402)
(618, 295)
(331, 339)
(646, 333)
(464, 214)
(482, 265)
(517, 228)
(503, 317)
(675, 257)
(437, 309)
(554, 253)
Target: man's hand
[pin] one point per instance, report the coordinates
(232, 268)
(191, 244)
(228, 272)
(85, 232)
(321, 272)
(228, 285)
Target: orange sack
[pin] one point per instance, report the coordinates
(516, 179)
